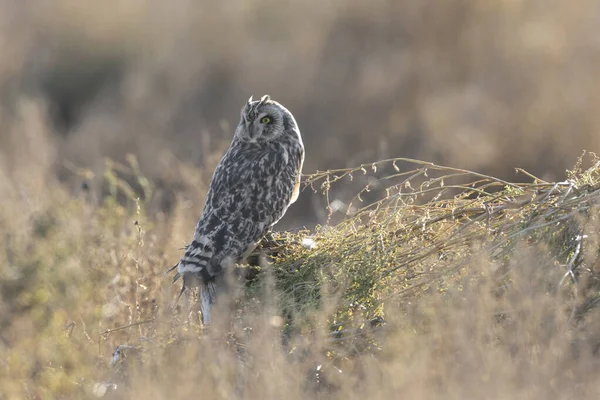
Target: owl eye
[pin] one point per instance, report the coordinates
(265, 120)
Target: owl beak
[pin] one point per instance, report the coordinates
(252, 134)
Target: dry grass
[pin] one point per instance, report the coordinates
(421, 281)
(472, 84)
(453, 285)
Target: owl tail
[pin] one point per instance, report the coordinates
(208, 293)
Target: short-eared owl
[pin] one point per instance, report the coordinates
(252, 187)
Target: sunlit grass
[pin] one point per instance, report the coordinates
(450, 268)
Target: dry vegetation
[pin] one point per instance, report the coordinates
(412, 280)
(454, 284)
(474, 84)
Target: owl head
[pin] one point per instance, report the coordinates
(265, 120)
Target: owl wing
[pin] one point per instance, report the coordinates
(254, 191)
(212, 233)
(248, 193)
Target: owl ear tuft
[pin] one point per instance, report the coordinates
(249, 101)
(265, 98)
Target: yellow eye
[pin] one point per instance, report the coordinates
(265, 120)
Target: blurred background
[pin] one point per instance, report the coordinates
(486, 86)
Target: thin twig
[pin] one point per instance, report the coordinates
(109, 331)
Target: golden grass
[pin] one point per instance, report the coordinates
(433, 282)
(455, 284)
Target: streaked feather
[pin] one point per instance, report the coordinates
(252, 187)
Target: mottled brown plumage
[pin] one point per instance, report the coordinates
(252, 187)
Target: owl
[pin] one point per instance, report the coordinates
(252, 187)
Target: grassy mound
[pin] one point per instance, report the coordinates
(420, 238)
(453, 283)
